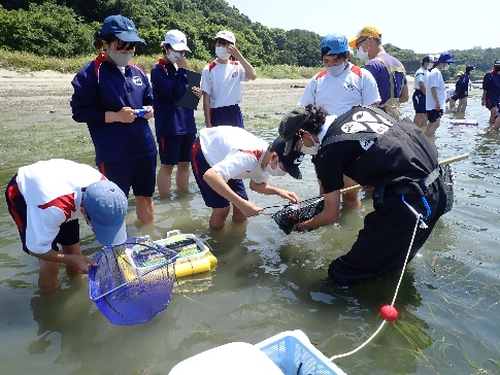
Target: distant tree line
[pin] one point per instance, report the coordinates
(65, 28)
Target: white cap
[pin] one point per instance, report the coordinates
(226, 35)
(177, 40)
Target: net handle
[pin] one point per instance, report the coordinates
(443, 162)
(357, 186)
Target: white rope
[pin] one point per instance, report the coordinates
(424, 226)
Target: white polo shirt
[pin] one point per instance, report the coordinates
(234, 153)
(223, 83)
(337, 95)
(435, 79)
(52, 190)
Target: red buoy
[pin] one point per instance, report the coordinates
(389, 313)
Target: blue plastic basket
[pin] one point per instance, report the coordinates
(125, 293)
(293, 353)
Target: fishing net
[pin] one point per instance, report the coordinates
(133, 282)
(289, 216)
(449, 181)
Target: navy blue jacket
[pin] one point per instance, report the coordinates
(100, 86)
(169, 86)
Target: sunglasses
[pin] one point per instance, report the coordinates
(360, 43)
(125, 46)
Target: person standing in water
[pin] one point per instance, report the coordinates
(113, 96)
(221, 83)
(175, 126)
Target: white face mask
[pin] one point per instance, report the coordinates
(120, 59)
(309, 150)
(446, 67)
(362, 55)
(336, 70)
(173, 56)
(276, 171)
(222, 53)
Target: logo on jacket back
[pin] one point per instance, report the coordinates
(137, 80)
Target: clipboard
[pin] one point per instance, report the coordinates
(189, 100)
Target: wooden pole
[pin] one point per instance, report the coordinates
(443, 162)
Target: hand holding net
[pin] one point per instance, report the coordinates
(289, 216)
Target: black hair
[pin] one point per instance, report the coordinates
(316, 117)
(109, 38)
(222, 41)
(98, 38)
(326, 49)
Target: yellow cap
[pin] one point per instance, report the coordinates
(366, 31)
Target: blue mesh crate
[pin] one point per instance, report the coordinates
(127, 294)
(293, 353)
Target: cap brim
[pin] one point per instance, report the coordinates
(180, 47)
(129, 37)
(294, 171)
(110, 235)
(352, 42)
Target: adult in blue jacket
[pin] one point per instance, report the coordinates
(113, 96)
(175, 125)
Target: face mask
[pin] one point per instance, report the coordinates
(362, 55)
(222, 53)
(336, 70)
(275, 172)
(446, 67)
(174, 57)
(309, 150)
(120, 59)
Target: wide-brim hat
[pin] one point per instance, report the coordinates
(290, 124)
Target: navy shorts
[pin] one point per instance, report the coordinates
(69, 232)
(138, 174)
(434, 114)
(212, 199)
(230, 115)
(419, 101)
(459, 95)
(175, 148)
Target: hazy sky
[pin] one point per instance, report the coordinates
(422, 26)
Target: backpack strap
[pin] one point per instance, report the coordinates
(391, 70)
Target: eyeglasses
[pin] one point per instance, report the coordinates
(361, 42)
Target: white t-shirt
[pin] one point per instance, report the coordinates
(52, 190)
(434, 79)
(339, 94)
(223, 83)
(420, 76)
(234, 153)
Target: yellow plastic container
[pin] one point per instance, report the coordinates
(191, 259)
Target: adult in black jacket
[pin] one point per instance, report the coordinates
(395, 158)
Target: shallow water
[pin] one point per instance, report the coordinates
(267, 282)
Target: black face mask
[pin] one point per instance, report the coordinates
(496, 69)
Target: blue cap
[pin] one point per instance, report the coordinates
(445, 57)
(336, 43)
(106, 206)
(123, 28)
